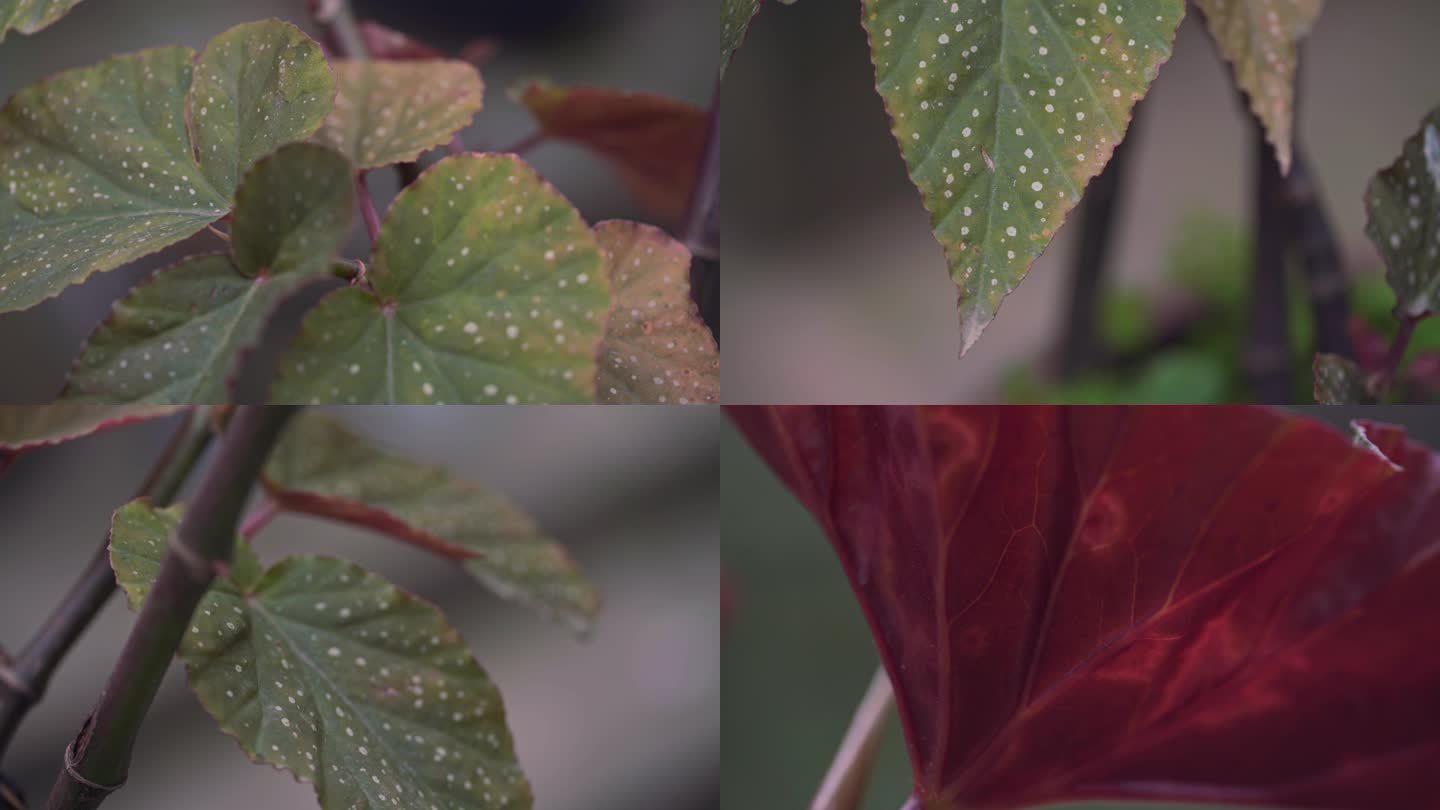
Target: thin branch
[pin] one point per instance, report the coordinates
(701, 231)
(340, 27)
(98, 760)
(1267, 356)
(1080, 348)
(1325, 280)
(844, 784)
(367, 207)
(45, 650)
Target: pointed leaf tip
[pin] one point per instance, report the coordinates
(1003, 115)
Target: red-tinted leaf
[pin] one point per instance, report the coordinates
(24, 427)
(655, 142)
(385, 42)
(1214, 604)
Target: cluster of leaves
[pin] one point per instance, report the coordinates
(324, 669)
(1230, 605)
(485, 283)
(1004, 114)
(1190, 349)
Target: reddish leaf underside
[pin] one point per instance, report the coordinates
(1222, 604)
(653, 141)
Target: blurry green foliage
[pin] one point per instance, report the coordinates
(1153, 362)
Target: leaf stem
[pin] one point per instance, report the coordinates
(257, 520)
(43, 653)
(1325, 281)
(98, 759)
(844, 784)
(1379, 383)
(367, 207)
(339, 22)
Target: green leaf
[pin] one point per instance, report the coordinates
(390, 112)
(98, 167)
(487, 287)
(330, 672)
(1260, 39)
(656, 348)
(1004, 111)
(23, 427)
(1338, 381)
(29, 16)
(735, 18)
(1403, 202)
(181, 336)
(257, 86)
(322, 468)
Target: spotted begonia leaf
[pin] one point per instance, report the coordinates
(655, 142)
(1260, 39)
(1338, 381)
(487, 287)
(656, 347)
(29, 16)
(322, 468)
(25, 427)
(1004, 111)
(330, 672)
(98, 166)
(735, 16)
(181, 336)
(390, 112)
(1403, 202)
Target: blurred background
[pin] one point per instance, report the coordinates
(659, 46)
(625, 720)
(797, 654)
(838, 292)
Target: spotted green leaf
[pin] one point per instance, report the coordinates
(328, 671)
(98, 166)
(656, 348)
(486, 287)
(1004, 111)
(181, 336)
(29, 16)
(735, 18)
(1338, 381)
(322, 468)
(1403, 203)
(389, 112)
(23, 427)
(1260, 39)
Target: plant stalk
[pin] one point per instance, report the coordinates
(1080, 350)
(1268, 361)
(1325, 280)
(43, 653)
(844, 784)
(98, 759)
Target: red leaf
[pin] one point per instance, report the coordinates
(655, 142)
(385, 42)
(1225, 604)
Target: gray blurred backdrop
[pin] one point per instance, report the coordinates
(627, 720)
(662, 46)
(837, 290)
(797, 654)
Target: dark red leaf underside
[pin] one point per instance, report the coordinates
(1222, 604)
